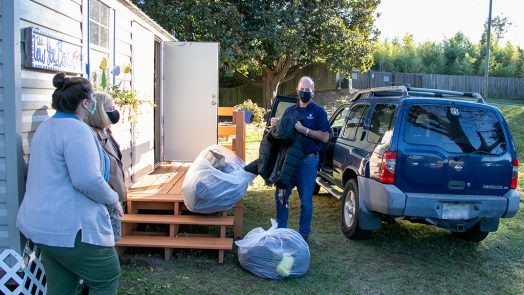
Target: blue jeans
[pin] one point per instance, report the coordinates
(304, 180)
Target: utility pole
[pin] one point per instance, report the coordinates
(486, 67)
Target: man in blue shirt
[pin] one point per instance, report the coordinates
(312, 122)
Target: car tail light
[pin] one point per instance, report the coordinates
(387, 168)
(514, 174)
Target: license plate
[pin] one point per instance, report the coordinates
(455, 211)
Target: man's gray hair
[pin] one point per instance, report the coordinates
(309, 79)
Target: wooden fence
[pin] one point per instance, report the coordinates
(498, 87)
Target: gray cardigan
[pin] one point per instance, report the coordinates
(65, 189)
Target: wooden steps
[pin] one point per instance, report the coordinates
(177, 242)
(178, 219)
(162, 190)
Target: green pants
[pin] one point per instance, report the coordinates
(98, 266)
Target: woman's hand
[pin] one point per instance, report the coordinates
(119, 209)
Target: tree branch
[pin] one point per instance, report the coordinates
(281, 72)
(247, 79)
(293, 73)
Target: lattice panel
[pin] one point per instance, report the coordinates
(25, 276)
(11, 264)
(34, 275)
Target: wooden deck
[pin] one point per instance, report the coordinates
(162, 190)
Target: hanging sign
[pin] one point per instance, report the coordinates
(48, 52)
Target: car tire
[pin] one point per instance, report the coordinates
(473, 234)
(349, 213)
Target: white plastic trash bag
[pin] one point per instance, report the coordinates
(215, 181)
(274, 254)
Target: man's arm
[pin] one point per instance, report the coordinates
(315, 134)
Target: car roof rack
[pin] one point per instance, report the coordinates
(407, 91)
(398, 91)
(443, 93)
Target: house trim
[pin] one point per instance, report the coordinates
(13, 116)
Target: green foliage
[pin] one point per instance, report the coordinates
(267, 42)
(123, 97)
(127, 98)
(454, 56)
(258, 112)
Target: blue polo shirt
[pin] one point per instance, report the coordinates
(313, 117)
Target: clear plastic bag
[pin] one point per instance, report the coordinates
(277, 253)
(215, 181)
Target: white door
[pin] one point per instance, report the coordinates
(190, 98)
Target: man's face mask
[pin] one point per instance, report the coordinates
(92, 110)
(305, 96)
(114, 116)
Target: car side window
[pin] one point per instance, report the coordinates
(355, 121)
(281, 108)
(381, 121)
(338, 121)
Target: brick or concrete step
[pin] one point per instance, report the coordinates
(178, 219)
(176, 242)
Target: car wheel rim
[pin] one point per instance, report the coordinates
(349, 209)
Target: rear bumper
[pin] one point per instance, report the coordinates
(388, 199)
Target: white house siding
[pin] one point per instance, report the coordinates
(122, 131)
(63, 18)
(143, 83)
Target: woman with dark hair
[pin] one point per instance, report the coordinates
(64, 208)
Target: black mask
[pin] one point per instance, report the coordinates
(304, 96)
(114, 116)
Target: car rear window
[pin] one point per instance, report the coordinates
(456, 129)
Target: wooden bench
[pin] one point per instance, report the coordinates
(162, 190)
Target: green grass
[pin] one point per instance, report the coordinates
(515, 118)
(401, 258)
(501, 100)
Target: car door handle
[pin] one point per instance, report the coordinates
(363, 135)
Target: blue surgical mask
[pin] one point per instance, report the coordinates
(305, 96)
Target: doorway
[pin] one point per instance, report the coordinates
(158, 130)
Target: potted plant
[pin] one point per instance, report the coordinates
(253, 113)
(126, 100)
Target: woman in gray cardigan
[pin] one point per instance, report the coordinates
(64, 208)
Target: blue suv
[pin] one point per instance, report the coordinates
(417, 154)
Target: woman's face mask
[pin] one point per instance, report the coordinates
(114, 116)
(92, 110)
(305, 96)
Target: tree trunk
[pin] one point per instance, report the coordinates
(269, 91)
(271, 79)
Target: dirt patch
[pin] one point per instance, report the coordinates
(331, 100)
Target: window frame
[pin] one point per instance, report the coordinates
(391, 122)
(361, 121)
(99, 24)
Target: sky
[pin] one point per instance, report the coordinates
(436, 20)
